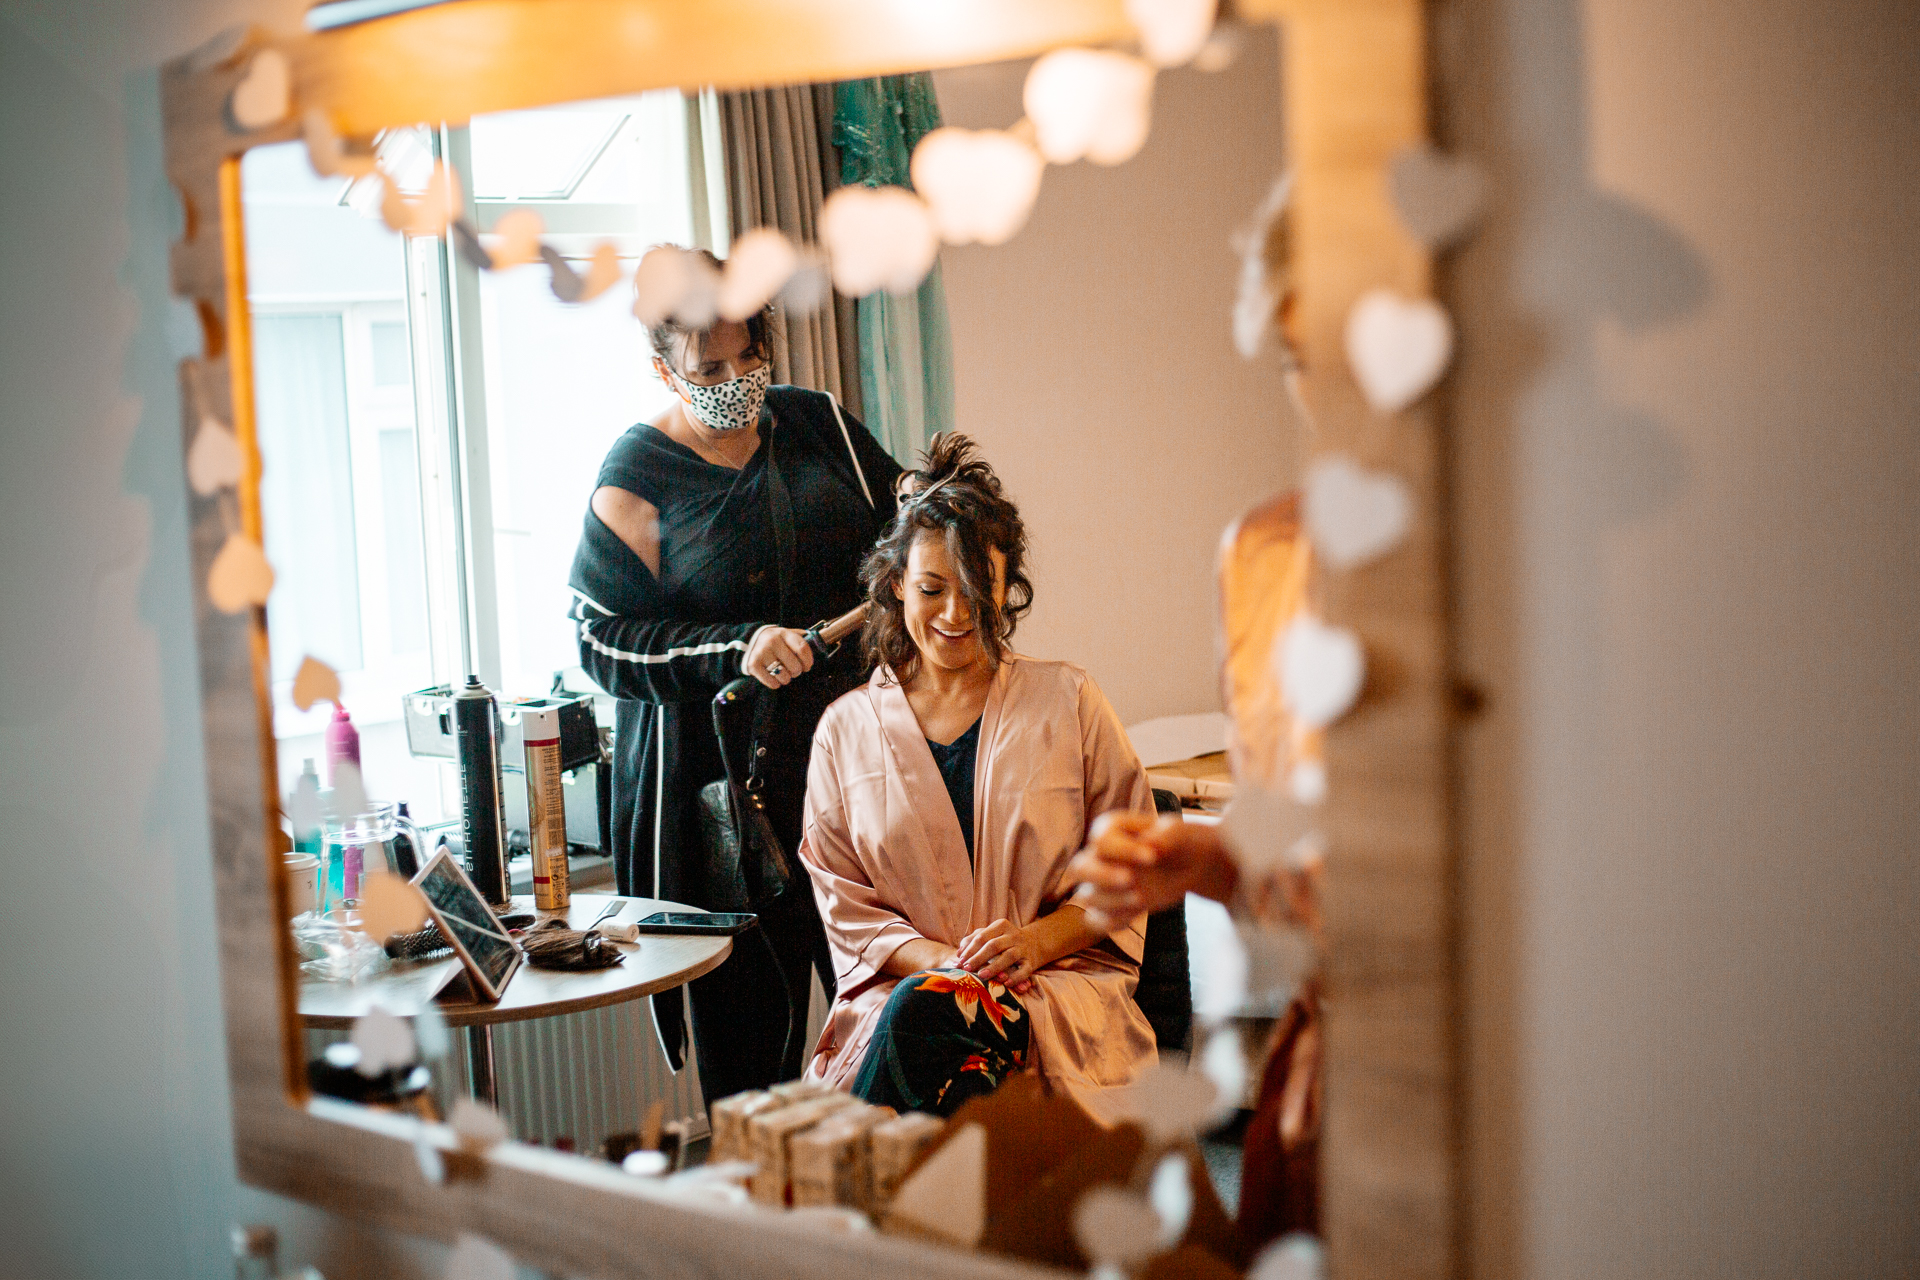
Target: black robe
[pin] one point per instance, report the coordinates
(665, 646)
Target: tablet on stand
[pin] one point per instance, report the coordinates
(488, 954)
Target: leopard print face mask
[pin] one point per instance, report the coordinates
(733, 405)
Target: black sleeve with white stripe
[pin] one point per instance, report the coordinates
(656, 659)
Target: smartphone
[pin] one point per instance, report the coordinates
(697, 922)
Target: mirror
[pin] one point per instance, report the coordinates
(431, 434)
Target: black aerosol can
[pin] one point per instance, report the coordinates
(476, 736)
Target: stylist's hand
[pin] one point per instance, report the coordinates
(1000, 952)
(776, 655)
(1137, 862)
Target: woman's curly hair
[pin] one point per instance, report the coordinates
(954, 496)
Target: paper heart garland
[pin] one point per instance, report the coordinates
(516, 239)
(1293, 1257)
(383, 1040)
(389, 905)
(315, 681)
(1438, 198)
(878, 238)
(476, 1259)
(1172, 32)
(327, 153)
(1321, 670)
(1398, 347)
(264, 95)
(1354, 515)
(672, 282)
(1170, 1192)
(980, 184)
(239, 576)
(603, 271)
(1087, 103)
(1168, 1100)
(947, 1196)
(213, 463)
(1224, 1061)
(759, 266)
(428, 213)
(1114, 1227)
(477, 1125)
(1307, 782)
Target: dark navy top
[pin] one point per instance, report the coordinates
(956, 769)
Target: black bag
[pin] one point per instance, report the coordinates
(745, 861)
(747, 867)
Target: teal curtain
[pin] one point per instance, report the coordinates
(906, 349)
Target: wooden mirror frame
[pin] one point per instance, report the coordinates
(1354, 85)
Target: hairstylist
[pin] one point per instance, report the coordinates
(680, 586)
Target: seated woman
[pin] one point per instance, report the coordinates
(944, 801)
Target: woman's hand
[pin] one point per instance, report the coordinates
(1004, 953)
(776, 655)
(1138, 862)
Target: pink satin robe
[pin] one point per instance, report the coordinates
(889, 862)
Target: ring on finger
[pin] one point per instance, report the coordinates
(774, 668)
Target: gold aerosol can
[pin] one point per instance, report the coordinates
(546, 808)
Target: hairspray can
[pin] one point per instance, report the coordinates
(546, 808)
(476, 736)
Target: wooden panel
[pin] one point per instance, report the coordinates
(449, 62)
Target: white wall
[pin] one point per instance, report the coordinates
(1688, 421)
(115, 1132)
(1093, 362)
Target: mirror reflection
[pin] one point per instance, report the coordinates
(784, 662)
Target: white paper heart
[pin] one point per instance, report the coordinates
(315, 681)
(389, 905)
(759, 266)
(1216, 951)
(603, 271)
(947, 1196)
(1354, 515)
(1321, 670)
(1398, 347)
(1293, 1257)
(265, 95)
(1168, 1100)
(1172, 32)
(349, 794)
(1170, 1192)
(810, 285)
(1115, 1227)
(1224, 1061)
(1279, 959)
(1220, 50)
(980, 184)
(383, 1040)
(327, 153)
(1439, 198)
(239, 576)
(476, 1259)
(1307, 782)
(477, 1125)
(427, 213)
(672, 282)
(646, 1164)
(430, 1030)
(213, 463)
(1089, 103)
(516, 239)
(878, 238)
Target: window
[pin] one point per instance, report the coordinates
(431, 433)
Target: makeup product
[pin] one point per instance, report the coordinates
(483, 830)
(546, 808)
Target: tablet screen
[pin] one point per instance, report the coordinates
(461, 911)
